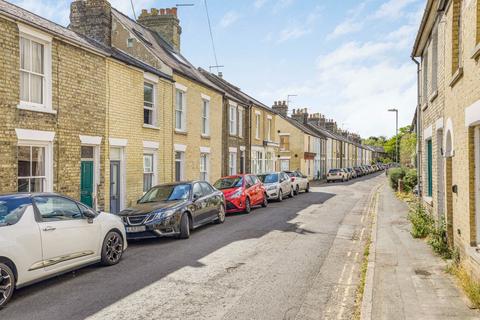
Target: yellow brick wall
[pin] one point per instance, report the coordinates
(263, 125)
(193, 138)
(125, 121)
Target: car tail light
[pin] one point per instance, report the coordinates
(292, 179)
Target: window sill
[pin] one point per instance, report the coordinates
(149, 126)
(205, 136)
(428, 200)
(476, 52)
(181, 132)
(456, 77)
(424, 106)
(433, 96)
(36, 109)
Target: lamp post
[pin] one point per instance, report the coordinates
(396, 133)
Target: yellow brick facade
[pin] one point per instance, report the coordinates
(264, 151)
(125, 122)
(192, 138)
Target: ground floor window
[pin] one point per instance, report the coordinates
(179, 165)
(204, 166)
(148, 171)
(232, 163)
(429, 169)
(31, 169)
(284, 165)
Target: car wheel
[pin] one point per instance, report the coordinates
(280, 195)
(297, 190)
(292, 193)
(184, 227)
(265, 201)
(112, 248)
(248, 207)
(221, 215)
(308, 188)
(7, 284)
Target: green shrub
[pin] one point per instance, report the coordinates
(437, 239)
(410, 180)
(422, 222)
(394, 175)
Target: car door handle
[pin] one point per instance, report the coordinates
(49, 228)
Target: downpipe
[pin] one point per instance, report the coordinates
(418, 132)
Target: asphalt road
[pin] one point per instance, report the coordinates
(298, 259)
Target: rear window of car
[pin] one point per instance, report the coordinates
(12, 209)
(334, 171)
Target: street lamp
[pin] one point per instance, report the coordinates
(396, 132)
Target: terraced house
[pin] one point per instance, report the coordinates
(235, 126)
(299, 145)
(448, 119)
(53, 108)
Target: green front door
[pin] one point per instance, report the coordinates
(86, 183)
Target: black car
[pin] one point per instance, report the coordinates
(173, 210)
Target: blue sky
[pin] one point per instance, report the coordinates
(349, 60)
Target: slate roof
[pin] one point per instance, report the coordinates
(16, 13)
(164, 51)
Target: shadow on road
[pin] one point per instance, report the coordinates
(79, 294)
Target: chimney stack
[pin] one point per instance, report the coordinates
(165, 22)
(331, 126)
(301, 115)
(280, 107)
(93, 19)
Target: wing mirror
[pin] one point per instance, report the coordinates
(196, 196)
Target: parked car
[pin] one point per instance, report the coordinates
(46, 234)
(277, 184)
(336, 175)
(353, 173)
(348, 173)
(300, 182)
(242, 192)
(174, 210)
(358, 171)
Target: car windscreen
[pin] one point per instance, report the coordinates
(290, 174)
(268, 178)
(167, 193)
(228, 183)
(12, 209)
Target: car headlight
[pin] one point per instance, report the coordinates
(164, 214)
(271, 187)
(236, 194)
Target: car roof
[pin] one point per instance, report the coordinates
(29, 194)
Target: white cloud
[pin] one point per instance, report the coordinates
(229, 18)
(346, 27)
(259, 3)
(57, 11)
(393, 9)
(293, 32)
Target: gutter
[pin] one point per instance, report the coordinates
(418, 131)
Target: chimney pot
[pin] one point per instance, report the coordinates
(162, 12)
(164, 21)
(154, 12)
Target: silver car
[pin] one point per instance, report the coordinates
(277, 184)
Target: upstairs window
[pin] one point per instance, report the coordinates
(180, 111)
(434, 75)
(205, 118)
(269, 129)
(241, 118)
(35, 70)
(257, 126)
(284, 143)
(233, 120)
(149, 110)
(425, 76)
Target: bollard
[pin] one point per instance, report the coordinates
(400, 185)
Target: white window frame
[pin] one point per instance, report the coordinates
(205, 117)
(204, 166)
(154, 108)
(183, 110)
(42, 139)
(232, 117)
(182, 164)
(232, 161)
(153, 154)
(269, 128)
(241, 117)
(257, 126)
(45, 40)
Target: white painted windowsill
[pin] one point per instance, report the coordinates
(476, 52)
(456, 76)
(36, 109)
(428, 200)
(149, 126)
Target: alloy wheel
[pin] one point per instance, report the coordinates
(114, 247)
(248, 207)
(6, 285)
(221, 215)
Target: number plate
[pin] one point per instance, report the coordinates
(136, 229)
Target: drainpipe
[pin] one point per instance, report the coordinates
(419, 131)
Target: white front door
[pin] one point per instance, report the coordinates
(68, 239)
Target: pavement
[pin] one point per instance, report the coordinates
(405, 280)
(298, 259)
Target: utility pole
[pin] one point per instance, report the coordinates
(396, 133)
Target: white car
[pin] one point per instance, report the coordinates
(300, 182)
(46, 234)
(277, 184)
(337, 175)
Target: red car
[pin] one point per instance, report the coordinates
(242, 192)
